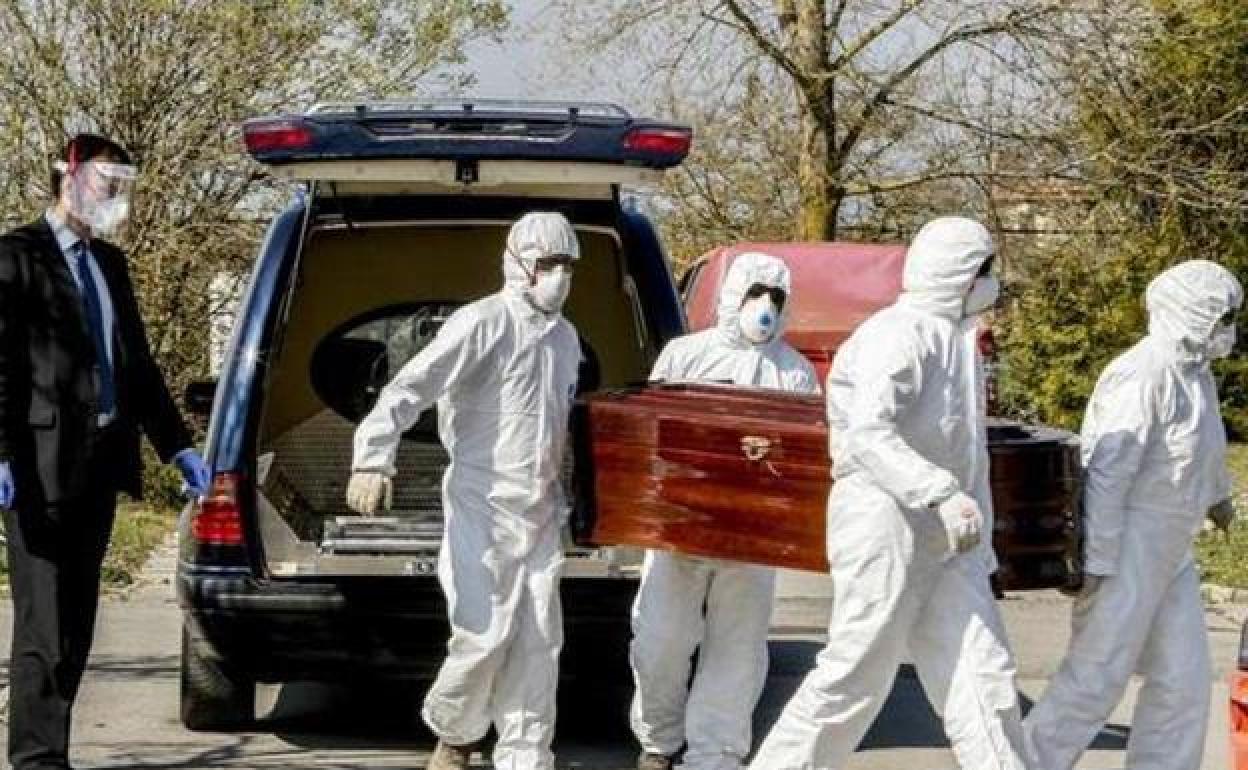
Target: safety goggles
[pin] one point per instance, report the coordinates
(778, 295)
(547, 264)
(986, 268)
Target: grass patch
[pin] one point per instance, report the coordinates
(138, 529)
(1224, 560)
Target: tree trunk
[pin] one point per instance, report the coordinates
(819, 194)
(819, 185)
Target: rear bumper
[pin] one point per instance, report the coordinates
(286, 630)
(1239, 720)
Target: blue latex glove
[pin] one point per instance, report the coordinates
(8, 490)
(195, 475)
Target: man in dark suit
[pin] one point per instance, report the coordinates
(77, 387)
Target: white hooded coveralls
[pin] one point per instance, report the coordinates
(1154, 453)
(722, 609)
(503, 375)
(905, 415)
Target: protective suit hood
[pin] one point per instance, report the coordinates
(941, 265)
(1186, 302)
(746, 270)
(536, 235)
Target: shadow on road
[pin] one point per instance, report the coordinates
(907, 719)
(593, 723)
(235, 751)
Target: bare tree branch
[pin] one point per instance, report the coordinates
(876, 188)
(873, 34)
(838, 13)
(747, 25)
(1010, 21)
(978, 127)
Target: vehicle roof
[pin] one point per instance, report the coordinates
(465, 130)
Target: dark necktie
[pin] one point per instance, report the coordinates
(95, 320)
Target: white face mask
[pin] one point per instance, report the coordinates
(983, 295)
(550, 290)
(106, 217)
(1222, 343)
(759, 319)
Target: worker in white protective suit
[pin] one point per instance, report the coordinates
(1154, 453)
(909, 520)
(720, 609)
(503, 373)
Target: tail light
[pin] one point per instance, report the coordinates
(1239, 706)
(216, 518)
(267, 135)
(659, 141)
(986, 341)
(1238, 703)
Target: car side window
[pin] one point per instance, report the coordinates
(354, 362)
(689, 280)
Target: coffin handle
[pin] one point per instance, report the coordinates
(755, 448)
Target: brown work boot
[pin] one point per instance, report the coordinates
(648, 761)
(448, 757)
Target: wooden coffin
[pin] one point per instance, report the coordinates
(743, 474)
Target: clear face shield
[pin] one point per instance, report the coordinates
(98, 193)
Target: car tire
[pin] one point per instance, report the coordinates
(212, 699)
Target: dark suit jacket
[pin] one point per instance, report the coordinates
(49, 387)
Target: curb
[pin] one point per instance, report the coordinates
(1219, 594)
(157, 571)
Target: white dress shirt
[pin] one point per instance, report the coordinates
(66, 239)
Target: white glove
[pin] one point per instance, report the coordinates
(369, 490)
(1223, 515)
(964, 523)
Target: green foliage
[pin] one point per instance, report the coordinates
(1224, 560)
(162, 484)
(1057, 334)
(1163, 135)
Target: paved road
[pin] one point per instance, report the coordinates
(128, 712)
